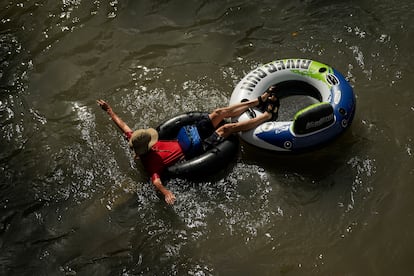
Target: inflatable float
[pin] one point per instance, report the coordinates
(312, 126)
(205, 163)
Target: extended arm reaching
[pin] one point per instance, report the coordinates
(118, 121)
(168, 195)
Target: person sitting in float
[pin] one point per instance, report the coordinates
(156, 155)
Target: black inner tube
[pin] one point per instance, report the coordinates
(207, 163)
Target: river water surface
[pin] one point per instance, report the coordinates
(74, 202)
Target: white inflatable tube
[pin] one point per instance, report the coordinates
(312, 126)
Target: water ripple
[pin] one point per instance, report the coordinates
(73, 200)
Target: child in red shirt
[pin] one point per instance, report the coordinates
(156, 155)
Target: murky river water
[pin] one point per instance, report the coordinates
(73, 201)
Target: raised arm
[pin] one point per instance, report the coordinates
(118, 121)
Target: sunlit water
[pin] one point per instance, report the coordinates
(74, 202)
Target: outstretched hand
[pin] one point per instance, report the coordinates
(104, 105)
(169, 197)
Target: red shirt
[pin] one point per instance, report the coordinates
(162, 155)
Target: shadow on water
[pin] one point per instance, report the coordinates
(305, 177)
(316, 163)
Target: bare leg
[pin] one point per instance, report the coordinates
(228, 129)
(220, 114)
